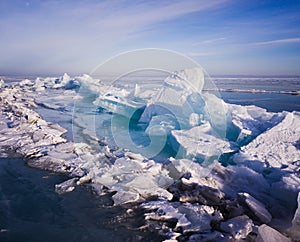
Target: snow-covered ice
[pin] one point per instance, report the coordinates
(277, 146)
(258, 185)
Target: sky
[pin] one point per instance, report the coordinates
(226, 37)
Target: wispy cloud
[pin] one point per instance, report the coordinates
(210, 41)
(198, 54)
(74, 36)
(58, 33)
(278, 41)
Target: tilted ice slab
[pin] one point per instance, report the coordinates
(295, 229)
(135, 177)
(178, 96)
(202, 141)
(179, 106)
(268, 234)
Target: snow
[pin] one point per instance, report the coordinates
(192, 198)
(26, 82)
(251, 121)
(277, 146)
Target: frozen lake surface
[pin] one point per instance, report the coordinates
(173, 146)
(31, 210)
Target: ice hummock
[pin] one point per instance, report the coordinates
(2, 83)
(182, 112)
(178, 104)
(277, 146)
(179, 96)
(261, 188)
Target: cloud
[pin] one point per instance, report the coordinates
(198, 54)
(60, 33)
(204, 42)
(279, 41)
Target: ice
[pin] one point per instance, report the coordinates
(185, 191)
(268, 234)
(64, 80)
(201, 142)
(26, 82)
(32, 137)
(295, 229)
(217, 113)
(252, 121)
(39, 85)
(67, 186)
(147, 186)
(187, 217)
(199, 218)
(123, 197)
(214, 236)
(243, 179)
(163, 211)
(178, 105)
(145, 92)
(197, 172)
(195, 119)
(118, 101)
(277, 146)
(94, 86)
(189, 79)
(161, 124)
(257, 208)
(2, 83)
(175, 96)
(118, 104)
(135, 175)
(190, 198)
(239, 227)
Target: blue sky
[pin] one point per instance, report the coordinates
(254, 37)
